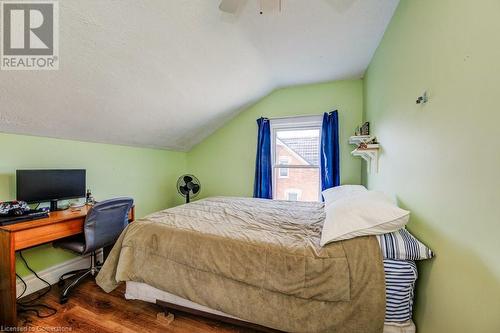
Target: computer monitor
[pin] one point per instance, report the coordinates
(50, 185)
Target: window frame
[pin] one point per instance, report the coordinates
(294, 123)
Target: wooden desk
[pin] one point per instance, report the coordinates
(27, 234)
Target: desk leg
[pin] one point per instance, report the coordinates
(8, 314)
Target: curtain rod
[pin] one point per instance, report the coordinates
(299, 116)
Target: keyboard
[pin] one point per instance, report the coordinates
(34, 214)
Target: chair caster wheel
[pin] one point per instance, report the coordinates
(60, 283)
(63, 300)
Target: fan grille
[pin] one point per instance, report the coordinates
(188, 185)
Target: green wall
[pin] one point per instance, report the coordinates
(442, 159)
(225, 161)
(147, 175)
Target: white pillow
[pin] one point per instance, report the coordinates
(338, 192)
(365, 213)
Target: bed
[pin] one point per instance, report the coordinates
(257, 261)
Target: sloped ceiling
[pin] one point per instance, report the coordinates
(168, 73)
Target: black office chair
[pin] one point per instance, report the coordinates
(103, 225)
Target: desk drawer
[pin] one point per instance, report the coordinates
(47, 233)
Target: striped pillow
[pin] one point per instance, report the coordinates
(400, 277)
(402, 245)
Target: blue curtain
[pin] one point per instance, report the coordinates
(330, 151)
(263, 169)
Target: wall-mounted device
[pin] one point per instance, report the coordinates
(423, 99)
(50, 185)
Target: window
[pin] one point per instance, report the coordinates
(295, 158)
(283, 172)
(293, 194)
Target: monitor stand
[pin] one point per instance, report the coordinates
(53, 206)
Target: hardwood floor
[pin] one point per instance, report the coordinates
(89, 309)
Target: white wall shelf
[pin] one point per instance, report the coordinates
(356, 140)
(370, 154)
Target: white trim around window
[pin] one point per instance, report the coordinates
(291, 123)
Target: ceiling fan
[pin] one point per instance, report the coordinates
(266, 6)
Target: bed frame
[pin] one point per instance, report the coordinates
(171, 307)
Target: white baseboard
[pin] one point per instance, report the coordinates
(52, 274)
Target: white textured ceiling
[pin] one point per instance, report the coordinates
(168, 73)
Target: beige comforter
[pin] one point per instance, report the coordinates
(259, 260)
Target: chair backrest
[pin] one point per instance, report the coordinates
(105, 221)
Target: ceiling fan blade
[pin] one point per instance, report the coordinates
(231, 6)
